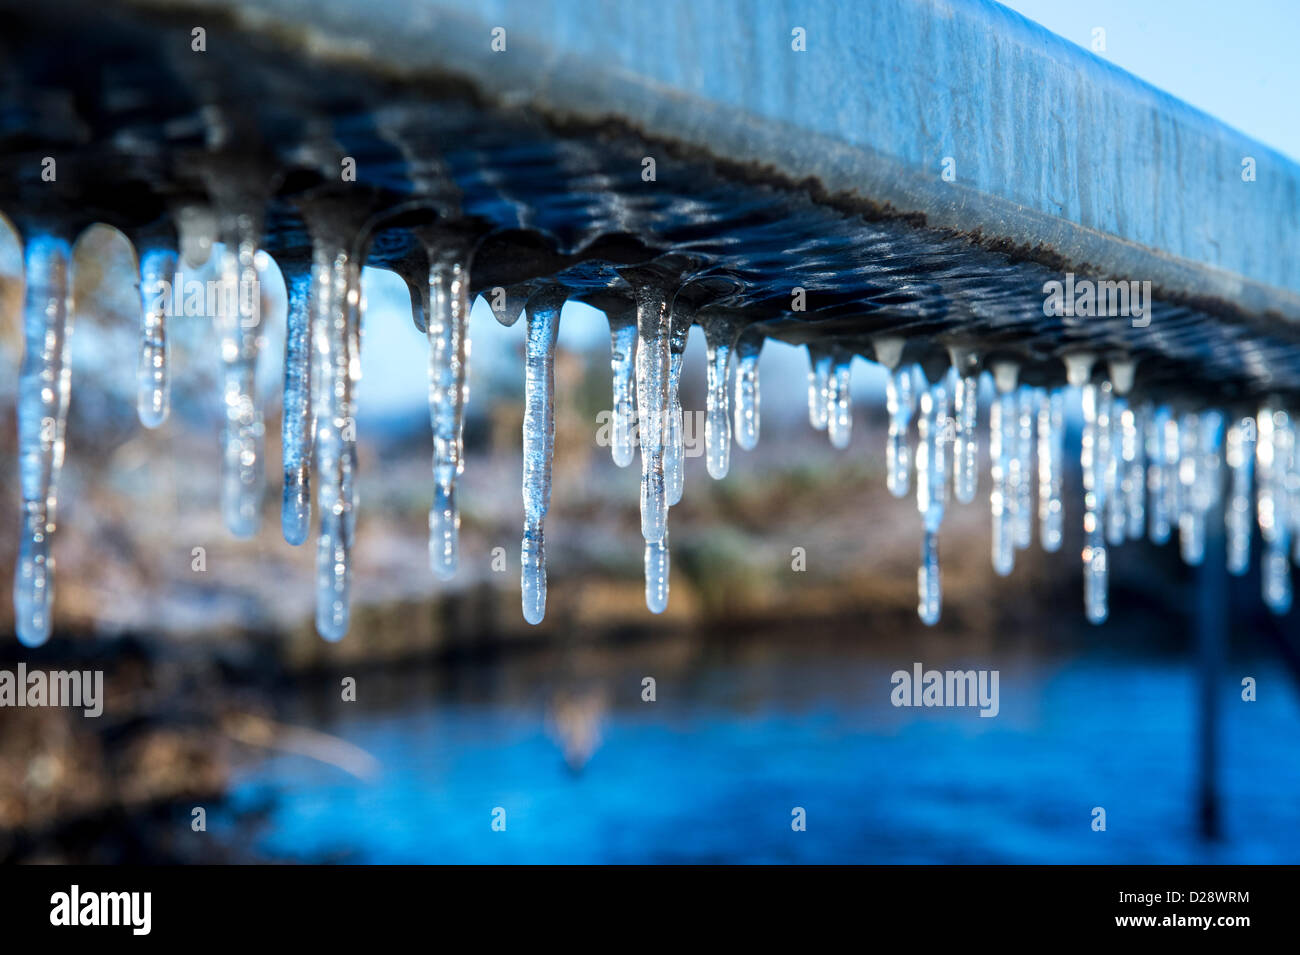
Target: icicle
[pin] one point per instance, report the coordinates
(1003, 439)
(296, 426)
(1133, 450)
(334, 370)
(449, 348)
(819, 378)
(965, 475)
(1022, 467)
(622, 334)
(656, 575)
(44, 387)
(1096, 453)
(719, 334)
(1051, 440)
(680, 321)
(748, 349)
(839, 400)
(1159, 475)
(1191, 520)
(652, 368)
(898, 455)
(196, 229)
(1273, 452)
(931, 474)
(153, 392)
(543, 318)
(1237, 516)
(239, 324)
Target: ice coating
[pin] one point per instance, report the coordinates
(238, 320)
(449, 349)
(336, 317)
(543, 320)
(623, 338)
(296, 426)
(652, 368)
(153, 375)
(748, 349)
(719, 333)
(44, 389)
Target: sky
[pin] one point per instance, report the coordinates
(1234, 59)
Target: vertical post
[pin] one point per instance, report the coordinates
(1211, 632)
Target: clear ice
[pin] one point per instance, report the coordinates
(623, 338)
(448, 333)
(44, 388)
(748, 349)
(899, 400)
(296, 428)
(153, 377)
(719, 333)
(652, 369)
(543, 319)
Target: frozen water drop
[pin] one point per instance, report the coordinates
(656, 575)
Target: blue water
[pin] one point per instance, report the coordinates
(712, 770)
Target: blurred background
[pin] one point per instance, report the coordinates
(772, 685)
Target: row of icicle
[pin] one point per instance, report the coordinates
(1145, 470)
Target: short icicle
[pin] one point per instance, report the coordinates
(719, 335)
(622, 336)
(153, 376)
(543, 320)
(44, 388)
(748, 349)
(449, 349)
(296, 429)
(899, 400)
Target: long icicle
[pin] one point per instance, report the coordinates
(679, 328)
(543, 320)
(899, 403)
(44, 389)
(1159, 524)
(1022, 467)
(839, 399)
(652, 366)
(965, 473)
(239, 324)
(622, 335)
(1094, 457)
(931, 471)
(1051, 440)
(719, 335)
(153, 377)
(1273, 452)
(449, 348)
(296, 428)
(1237, 516)
(1003, 439)
(337, 280)
(819, 378)
(748, 349)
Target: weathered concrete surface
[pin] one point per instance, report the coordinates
(1054, 149)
